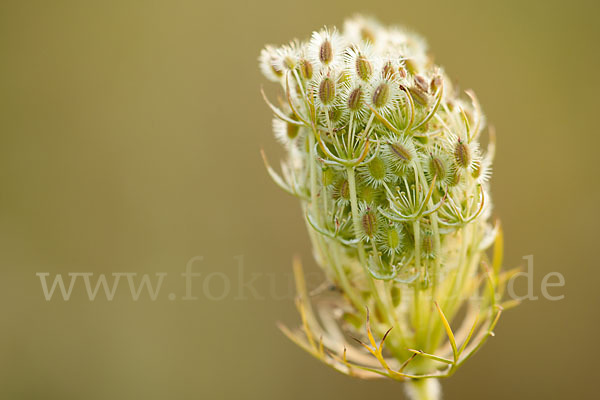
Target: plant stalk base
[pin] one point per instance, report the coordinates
(424, 389)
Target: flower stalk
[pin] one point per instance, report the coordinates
(423, 389)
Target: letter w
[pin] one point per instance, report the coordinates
(135, 294)
(110, 293)
(58, 281)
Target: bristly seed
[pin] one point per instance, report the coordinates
(306, 69)
(369, 223)
(363, 67)
(381, 95)
(462, 155)
(355, 99)
(327, 91)
(377, 169)
(437, 167)
(326, 52)
(401, 152)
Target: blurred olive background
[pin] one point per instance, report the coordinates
(129, 142)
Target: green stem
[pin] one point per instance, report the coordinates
(423, 389)
(313, 177)
(361, 249)
(417, 289)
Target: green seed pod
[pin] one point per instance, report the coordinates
(377, 169)
(454, 178)
(345, 189)
(369, 194)
(477, 169)
(376, 172)
(341, 192)
(335, 114)
(462, 154)
(326, 52)
(393, 239)
(355, 99)
(381, 95)
(437, 167)
(401, 152)
(291, 129)
(306, 69)
(438, 164)
(369, 223)
(327, 91)
(286, 131)
(419, 95)
(364, 69)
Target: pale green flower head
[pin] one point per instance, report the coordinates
(384, 155)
